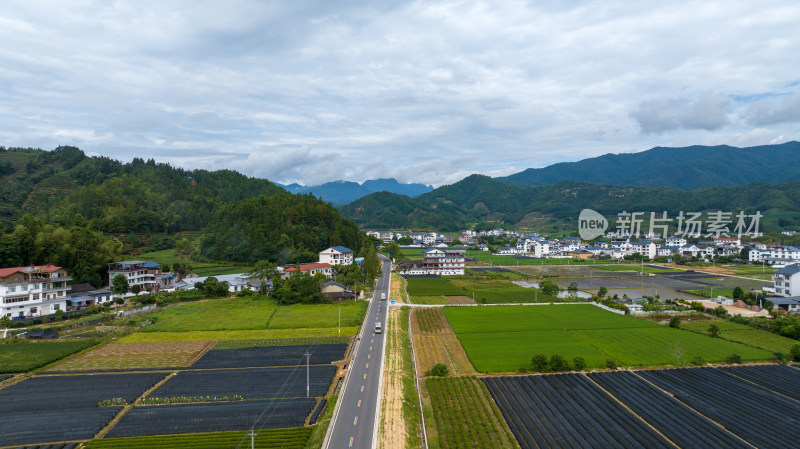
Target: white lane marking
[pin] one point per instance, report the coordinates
(367, 367)
(355, 420)
(351, 442)
(359, 403)
(373, 340)
(365, 376)
(362, 388)
(369, 356)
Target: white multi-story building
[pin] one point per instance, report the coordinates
(337, 255)
(775, 253)
(787, 280)
(443, 261)
(145, 274)
(33, 291)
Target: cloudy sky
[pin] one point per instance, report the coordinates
(428, 91)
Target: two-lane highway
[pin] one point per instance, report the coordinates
(357, 412)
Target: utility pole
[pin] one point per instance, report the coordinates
(308, 357)
(340, 321)
(252, 434)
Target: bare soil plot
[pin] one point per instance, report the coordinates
(459, 299)
(435, 342)
(125, 355)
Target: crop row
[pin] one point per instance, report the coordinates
(432, 287)
(225, 416)
(567, 410)
(780, 378)
(292, 438)
(431, 320)
(24, 356)
(252, 383)
(464, 415)
(153, 400)
(270, 356)
(238, 344)
(728, 399)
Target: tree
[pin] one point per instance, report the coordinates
(558, 363)
(549, 287)
(372, 264)
(734, 358)
(675, 322)
(440, 370)
(539, 362)
(794, 353)
(393, 249)
(769, 305)
(120, 285)
(738, 293)
(5, 321)
(579, 363)
(611, 364)
(713, 330)
(135, 289)
(573, 288)
(603, 291)
(264, 270)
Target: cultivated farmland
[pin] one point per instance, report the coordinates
(59, 408)
(291, 438)
(745, 334)
(260, 356)
(503, 339)
(465, 416)
(123, 355)
(219, 314)
(435, 342)
(22, 356)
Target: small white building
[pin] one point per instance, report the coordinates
(33, 291)
(787, 280)
(336, 255)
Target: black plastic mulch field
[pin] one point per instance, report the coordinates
(271, 356)
(5, 376)
(675, 420)
(758, 415)
(568, 411)
(191, 418)
(51, 446)
(250, 383)
(42, 409)
(780, 378)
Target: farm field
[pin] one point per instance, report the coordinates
(745, 334)
(291, 438)
(215, 314)
(432, 287)
(247, 334)
(123, 355)
(465, 416)
(435, 342)
(509, 260)
(168, 257)
(270, 356)
(636, 268)
(239, 344)
(318, 315)
(503, 339)
(23, 356)
(64, 408)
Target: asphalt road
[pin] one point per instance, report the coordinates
(357, 411)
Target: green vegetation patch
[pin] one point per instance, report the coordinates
(292, 438)
(246, 334)
(219, 314)
(499, 352)
(745, 334)
(508, 260)
(432, 287)
(707, 292)
(664, 346)
(22, 356)
(318, 315)
(239, 344)
(168, 257)
(499, 291)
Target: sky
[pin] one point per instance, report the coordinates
(428, 91)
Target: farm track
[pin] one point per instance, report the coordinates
(393, 429)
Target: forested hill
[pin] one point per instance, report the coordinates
(685, 168)
(239, 218)
(479, 198)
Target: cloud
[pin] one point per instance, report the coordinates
(426, 91)
(775, 111)
(707, 112)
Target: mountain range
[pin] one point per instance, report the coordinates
(343, 192)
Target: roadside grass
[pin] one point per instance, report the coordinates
(318, 315)
(503, 339)
(289, 438)
(247, 334)
(742, 333)
(214, 315)
(319, 430)
(411, 409)
(168, 257)
(23, 356)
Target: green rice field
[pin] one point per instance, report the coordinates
(432, 287)
(745, 334)
(22, 356)
(503, 339)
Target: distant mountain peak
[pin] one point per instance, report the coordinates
(343, 192)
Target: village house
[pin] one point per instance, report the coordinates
(146, 274)
(33, 290)
(336, 255)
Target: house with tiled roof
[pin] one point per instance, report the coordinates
(309, 268)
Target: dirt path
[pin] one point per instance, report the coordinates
(392, 431)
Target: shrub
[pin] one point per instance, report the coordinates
(440, 370)
(734, 358)
(794, 352)
(119, 301)
(713, 330)
(611, 364)
(539, 363)
(675, 322)
(698, 360)
(558, 363)
(579, 363)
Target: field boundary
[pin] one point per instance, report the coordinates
(416, 380)
(130, 406)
